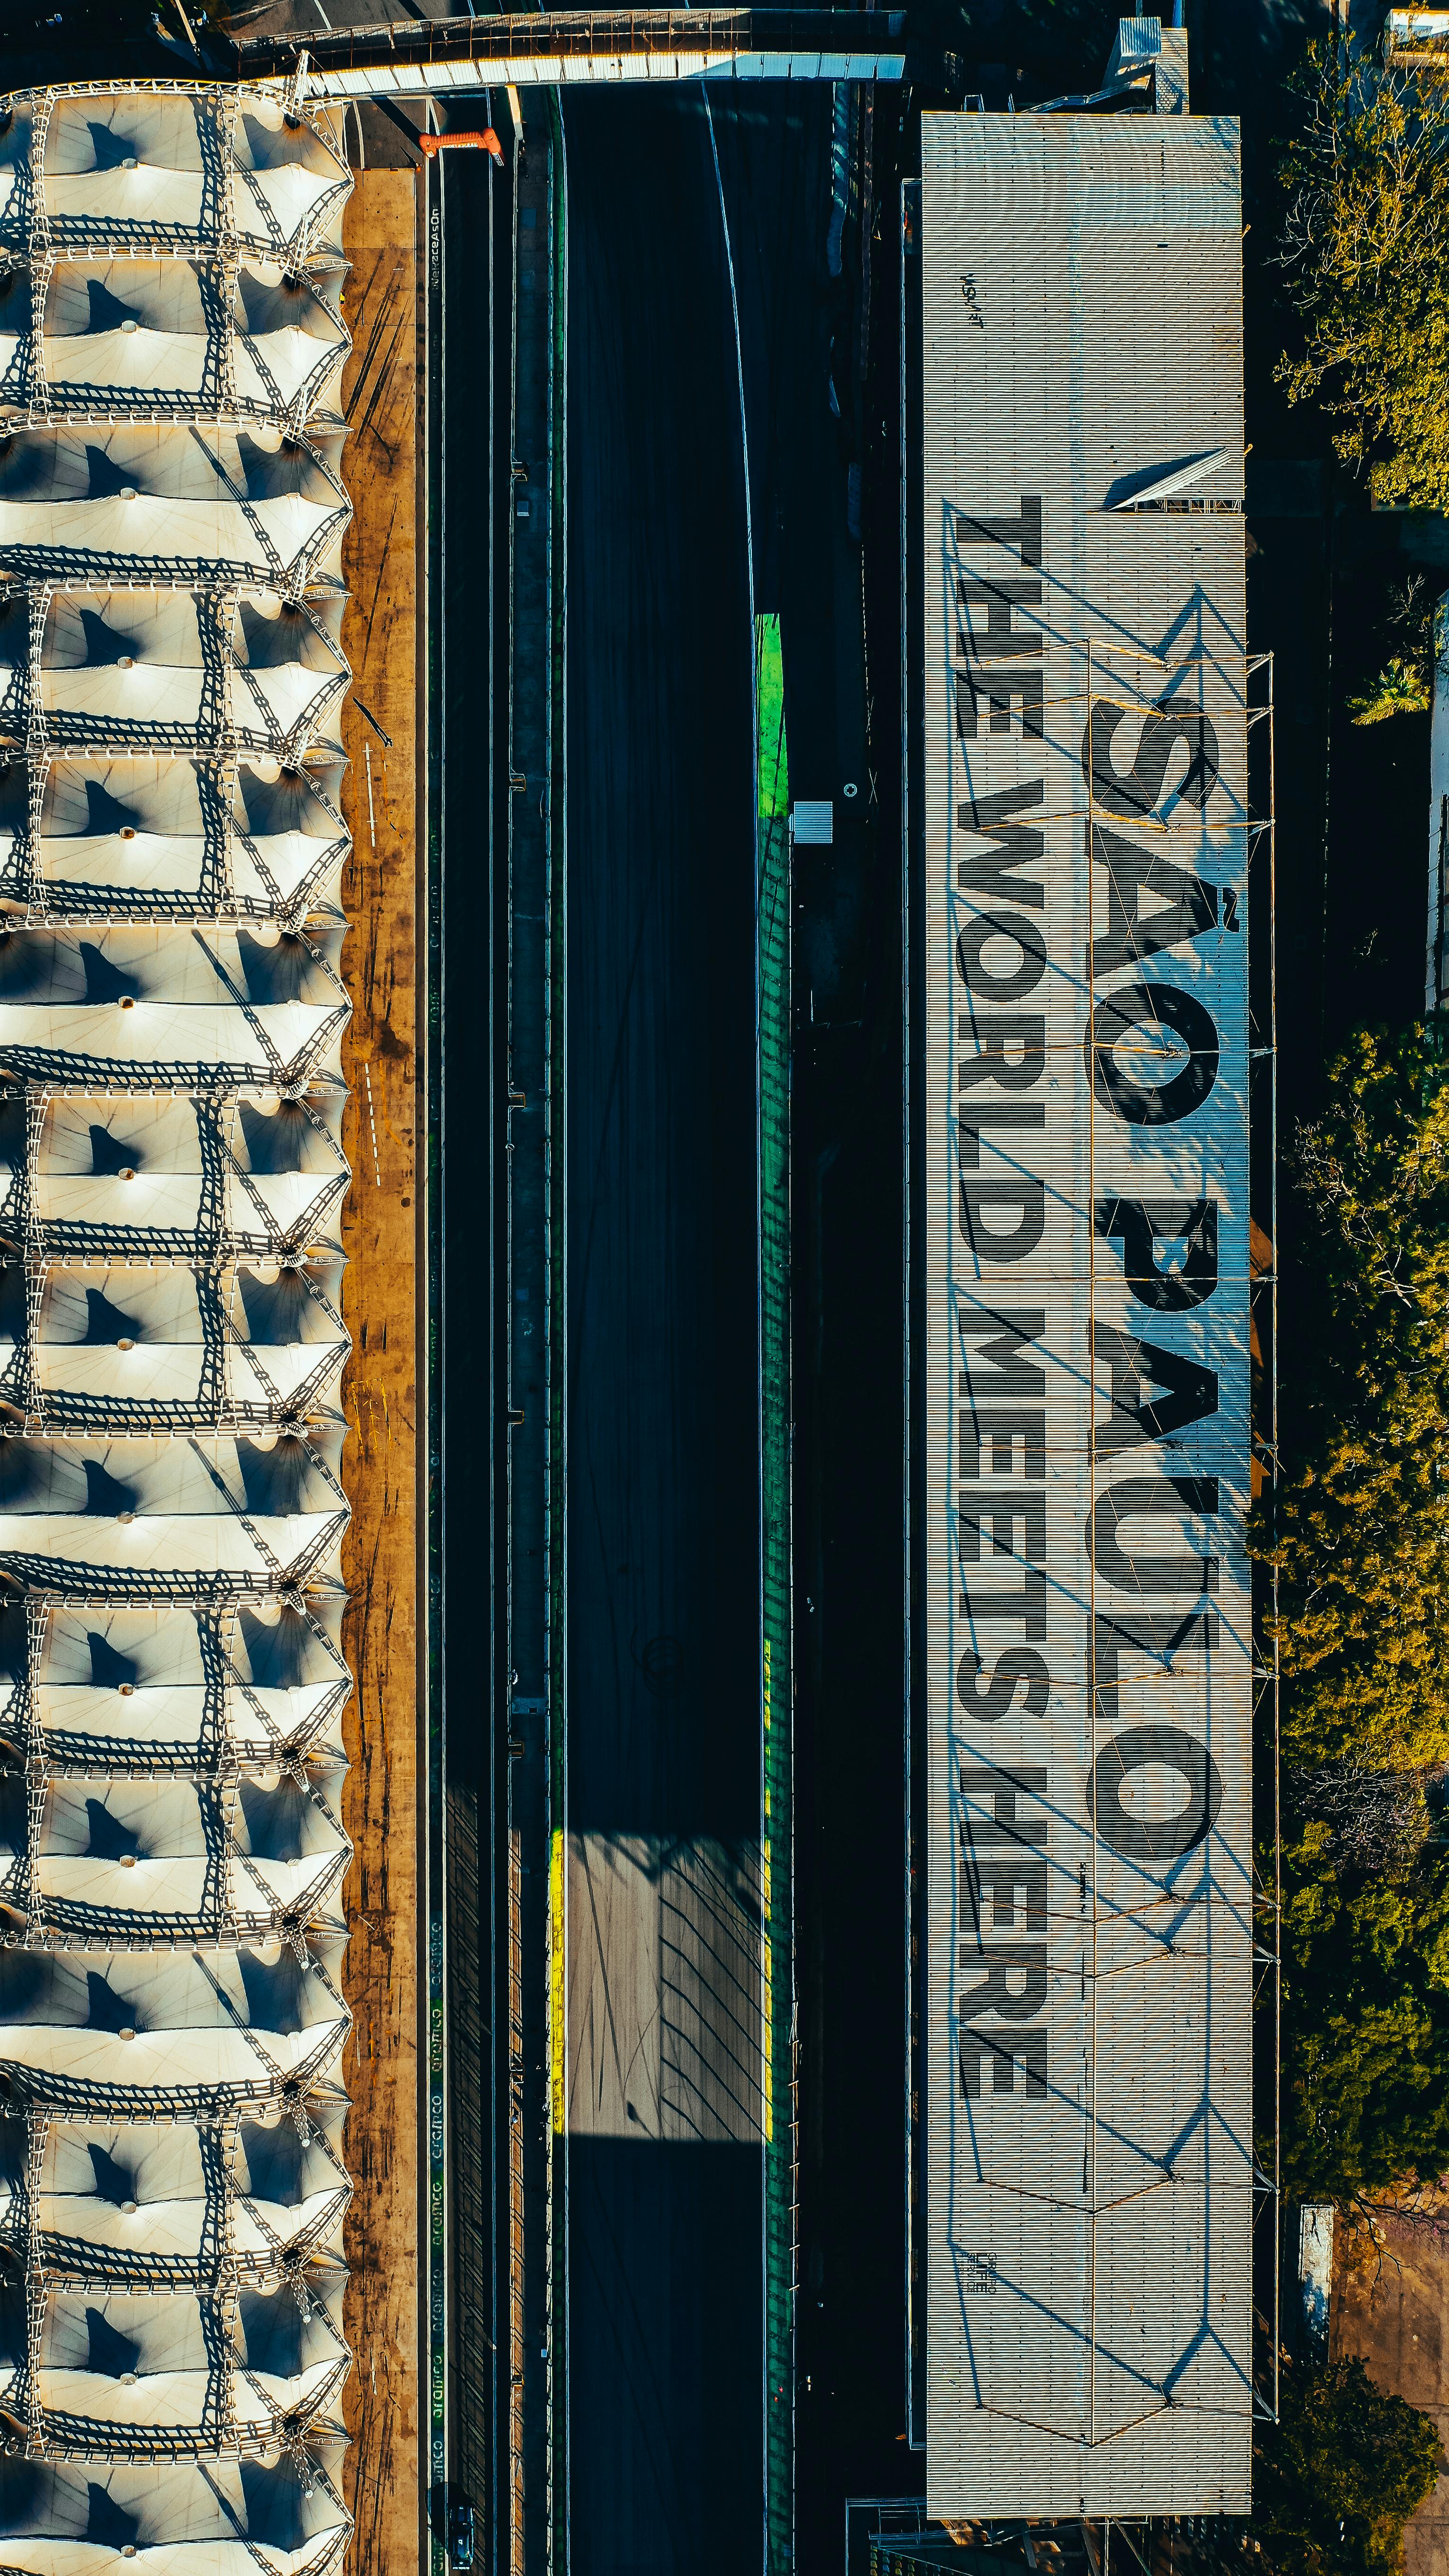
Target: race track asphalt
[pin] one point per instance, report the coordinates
(665, 2470)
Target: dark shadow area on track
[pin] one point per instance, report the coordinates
(799, 330)
(665, 2322)
(663, 1508)
(665, 2249)
(664, 2334)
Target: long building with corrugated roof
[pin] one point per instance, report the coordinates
(1090, 806)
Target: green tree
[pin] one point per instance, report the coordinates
(1365, 243)
(1365, 2020)
(1340, 2473)
(1414, 638)
(1359, 1534)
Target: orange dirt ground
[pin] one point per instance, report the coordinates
(381, 396)
(1394, 2313)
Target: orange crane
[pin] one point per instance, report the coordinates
(487, 141)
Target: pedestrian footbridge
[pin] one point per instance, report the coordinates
(415, 57)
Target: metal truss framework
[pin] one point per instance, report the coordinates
(415, 58)
(172, 1853)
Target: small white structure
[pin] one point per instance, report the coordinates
(1315, 2269)
(1416, 39)
(171, 1342)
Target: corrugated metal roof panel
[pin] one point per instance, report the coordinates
(1088, 1997)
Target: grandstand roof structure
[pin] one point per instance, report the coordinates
(172, 1852)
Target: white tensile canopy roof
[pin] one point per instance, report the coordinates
(127, 834)
(172, 505)
(132, 668)
(123, 333)
(258, 2198)
(154, 2374)
(164, 1691)
(96, 2031)
(132, 1177)
(172, 1689)
(246, 1861)
(190, 1516)
(57, 2518)
(261, 1342)
(250, 1004)
(185, 167)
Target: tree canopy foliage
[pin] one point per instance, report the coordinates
(1361, 1534)
(1365, 243)
(1360, 1538)
(1365, 2019)
(1340, 2473)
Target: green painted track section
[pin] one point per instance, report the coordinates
(772, 950)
